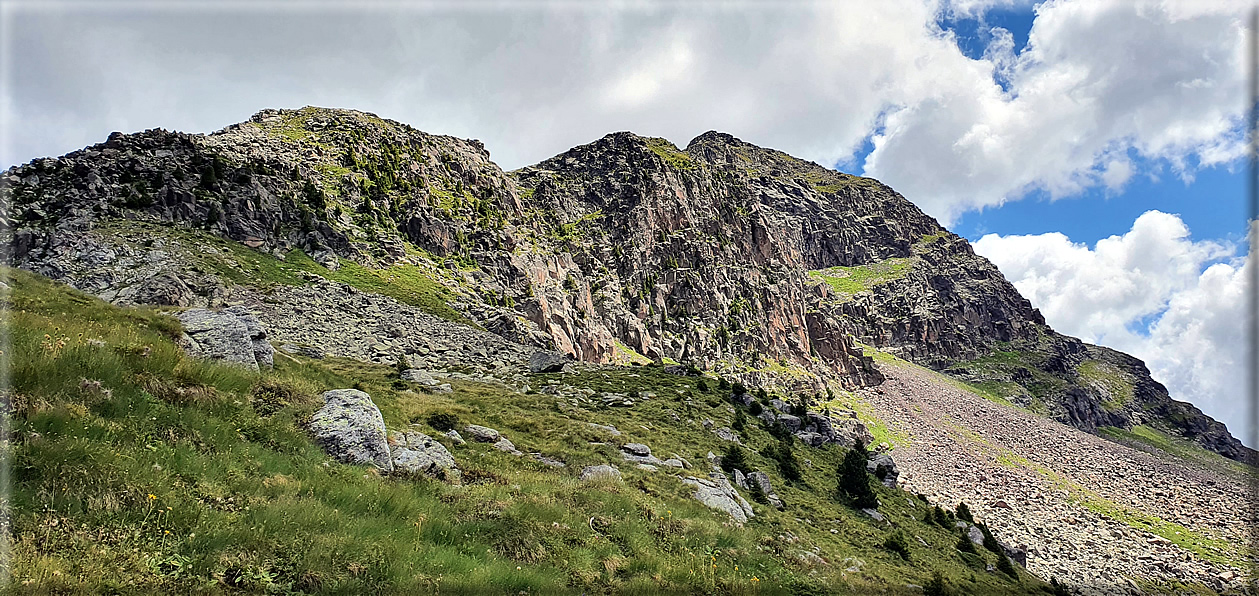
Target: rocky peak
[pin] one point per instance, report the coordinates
(763, 266)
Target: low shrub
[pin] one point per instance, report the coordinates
(443, 421)
(897, 543)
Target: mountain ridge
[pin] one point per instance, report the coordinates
(735, 257)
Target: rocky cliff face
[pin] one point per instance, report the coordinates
(724, 254)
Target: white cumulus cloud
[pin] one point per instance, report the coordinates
(1154, 292)
(1098, 82)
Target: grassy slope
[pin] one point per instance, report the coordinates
(183, 476)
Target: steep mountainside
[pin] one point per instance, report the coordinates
(736, 258)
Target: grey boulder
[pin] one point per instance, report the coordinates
(481, 434)
(415, 453)
(717, 493)
(233, 335)
(600, 472)
(349, 428)
(881, 465)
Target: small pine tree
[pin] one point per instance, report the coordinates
(761, 394)
(1058, 588)
(740, 420)
(1005, 566)
(941, 517)
(701, 385)
(990, 541)
(854, 480)
(936, 586)
(963, 513)
(755, 409)
(733, 459)
(723, 384)
(738, 388)
(965, 545)
(401, 364)
(756, 492)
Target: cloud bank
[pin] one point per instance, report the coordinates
(1099, 83)
(1178, 304)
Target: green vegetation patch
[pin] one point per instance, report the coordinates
(851, 280)
(1113, 383)
(670, 153)
(137, 469)
(1144, 437)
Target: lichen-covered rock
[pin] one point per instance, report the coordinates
(413, 452)
(349, 427)
(717, 493)
(233, 335)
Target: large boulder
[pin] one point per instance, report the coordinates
(349, 427)
(717, 493)
(233, 335)
(639, 454)
(547, 362)
(415, 453)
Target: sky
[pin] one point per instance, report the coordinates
(1092, 149)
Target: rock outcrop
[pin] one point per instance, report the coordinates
(717, 492)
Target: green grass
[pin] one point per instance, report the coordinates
(831, 181)
(180, 476)
(1144, 437)
(933, 238)
(670, 153)
(1114, 385)
(851, 280)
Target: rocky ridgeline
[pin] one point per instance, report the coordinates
(1027, 477)
(621, 248)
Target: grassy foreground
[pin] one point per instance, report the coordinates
(137, 470)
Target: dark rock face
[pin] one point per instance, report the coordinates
(724, 255)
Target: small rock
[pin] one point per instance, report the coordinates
(506, 446)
